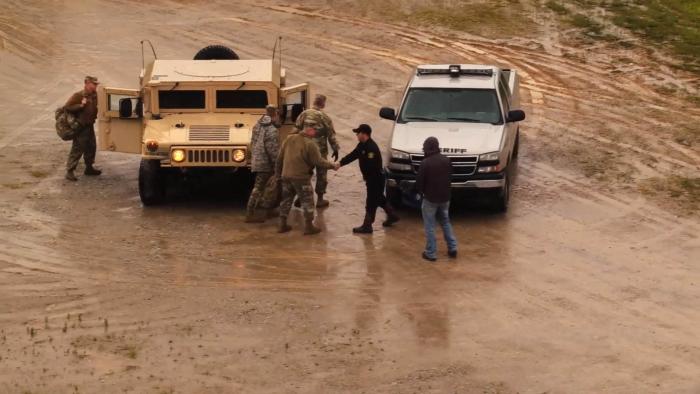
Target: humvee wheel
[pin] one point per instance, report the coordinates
(151, 182)
(216, 52)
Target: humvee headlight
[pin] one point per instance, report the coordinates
(238, 155)
(177, 155)
(152, 145)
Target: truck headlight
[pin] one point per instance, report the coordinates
(493, 156)
(238, 155)
(177, 155)
(397, 154)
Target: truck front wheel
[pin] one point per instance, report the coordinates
(503, 194)
(151, 182)
(393, 195)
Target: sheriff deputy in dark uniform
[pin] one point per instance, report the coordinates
(370, 158)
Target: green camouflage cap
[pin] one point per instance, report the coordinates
(91, 79)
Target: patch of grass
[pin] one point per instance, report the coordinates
(685, 191)
(38, 173)
(687, 135)
(491, 18)
(556, 7)
(130, 351)
(589, 26)
(673, 23)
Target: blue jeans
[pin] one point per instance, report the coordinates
(439, 212)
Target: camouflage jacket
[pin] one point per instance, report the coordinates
(265, 145)
(325, 133)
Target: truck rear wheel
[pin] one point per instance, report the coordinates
(151, 182)
(216, 52)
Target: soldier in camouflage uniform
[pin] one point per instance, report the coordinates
(298, 157)
(325, 134)
(84, 105)
(265, 148)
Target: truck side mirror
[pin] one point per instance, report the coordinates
(387, 113)
(125, 109)
(515, 115)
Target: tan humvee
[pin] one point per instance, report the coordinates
(190, 114)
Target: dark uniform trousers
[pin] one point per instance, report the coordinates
(84, 145)
(375, 195)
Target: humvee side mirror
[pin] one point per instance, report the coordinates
(125, 110)
(515, 115)
(139, 108)
(387, 113)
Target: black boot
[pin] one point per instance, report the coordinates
(391, 217)
(92, 171)
(366, 227)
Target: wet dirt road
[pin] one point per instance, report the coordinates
(576, 289)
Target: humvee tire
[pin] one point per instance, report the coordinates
(216, 52)
(151, 182)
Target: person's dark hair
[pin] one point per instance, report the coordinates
(431, 145)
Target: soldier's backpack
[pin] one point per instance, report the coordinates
(67, 125)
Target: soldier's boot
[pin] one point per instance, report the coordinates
(254, 216)
(283, 227)
(391, 216)
(71, 176)
(320, 202)
(92, 171)
(270, 213)
(309, 228)
(366, 227)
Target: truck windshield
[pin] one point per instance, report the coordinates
(451, 105)
(241, 99)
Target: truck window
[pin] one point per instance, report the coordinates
(181, 99)
(451, 105)
(241, 99)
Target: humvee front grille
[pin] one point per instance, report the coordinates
(209, 133)
(208, 156)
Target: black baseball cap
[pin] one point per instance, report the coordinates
(363, 128)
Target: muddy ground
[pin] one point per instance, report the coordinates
(586, 285)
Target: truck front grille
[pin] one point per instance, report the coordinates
(209, 133)
(461, 165)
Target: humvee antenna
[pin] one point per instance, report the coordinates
(274, 50)
(143, 60)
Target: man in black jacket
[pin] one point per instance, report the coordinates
(433, 184)
(370, 159)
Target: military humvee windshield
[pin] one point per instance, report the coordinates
(241, 99)
(182, 99)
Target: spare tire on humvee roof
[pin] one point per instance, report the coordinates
(216, 52)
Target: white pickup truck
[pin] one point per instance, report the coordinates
(472, 111)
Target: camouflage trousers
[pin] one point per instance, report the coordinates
(84, 145)
(321, 180)
(256, 196)
(292, 187)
